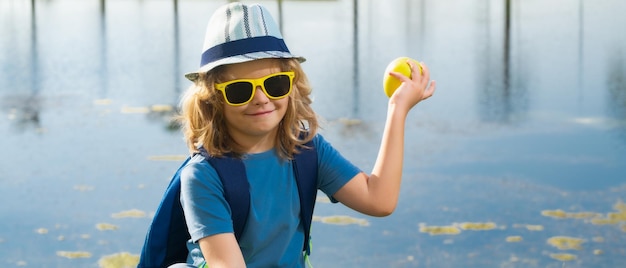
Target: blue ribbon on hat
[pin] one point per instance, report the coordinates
(243, 46)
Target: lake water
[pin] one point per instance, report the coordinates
(524, 138)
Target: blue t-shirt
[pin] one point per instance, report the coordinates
(274, 235)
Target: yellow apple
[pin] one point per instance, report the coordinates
(399, 65)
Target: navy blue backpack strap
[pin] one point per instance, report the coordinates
(305, 171)
(167, 235)
(165, 243)
(232, 173)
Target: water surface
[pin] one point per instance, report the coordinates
(529, 116)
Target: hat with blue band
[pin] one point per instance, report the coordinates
(238, 33)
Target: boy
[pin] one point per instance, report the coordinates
(251, 101)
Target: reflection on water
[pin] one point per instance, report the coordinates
(616, 85)
(24, 110)
(530, 97)
(104, 66)
(503, 94)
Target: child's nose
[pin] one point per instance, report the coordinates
(259, 96)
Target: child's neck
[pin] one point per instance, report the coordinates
(255, 144)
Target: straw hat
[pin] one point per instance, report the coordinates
(238, 33)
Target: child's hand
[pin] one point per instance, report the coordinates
(414, 89)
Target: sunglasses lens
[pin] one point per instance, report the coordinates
(277, 86)
(239, 92)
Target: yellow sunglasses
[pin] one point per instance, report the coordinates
(241, 91)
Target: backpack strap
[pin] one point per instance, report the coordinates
(305, 171)
(232, 174)
(168, 230)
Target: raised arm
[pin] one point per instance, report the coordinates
(377, 194)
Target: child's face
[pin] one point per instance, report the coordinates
(261, 116)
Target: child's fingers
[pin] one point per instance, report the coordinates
(425, 72)
(400, 77)
(414, 70)
(430, 90)
(418, 80)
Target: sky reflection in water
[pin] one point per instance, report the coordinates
(526, 124)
